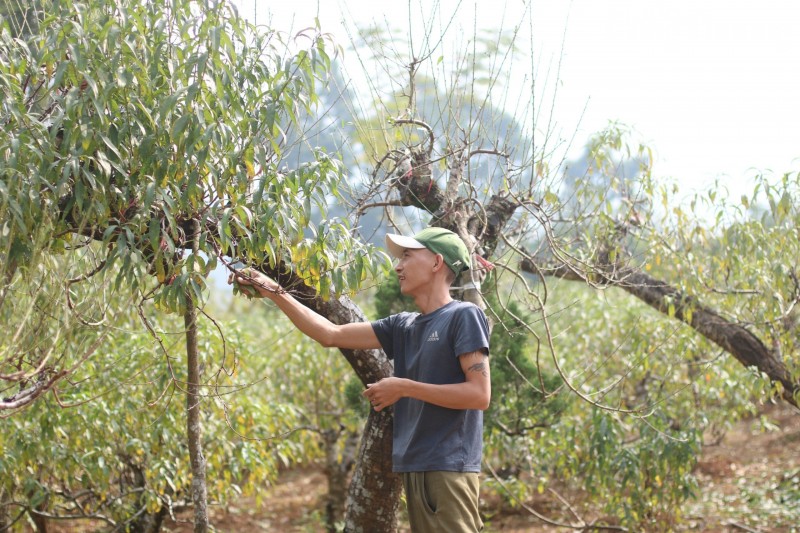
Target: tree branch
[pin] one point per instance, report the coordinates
(734, 338)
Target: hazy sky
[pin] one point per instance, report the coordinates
(711, 85)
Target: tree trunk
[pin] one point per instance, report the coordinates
(734, 338)
(5, 514)
(39, 522)
(374, 494)
(194, 430)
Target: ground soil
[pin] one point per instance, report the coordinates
(749, 482)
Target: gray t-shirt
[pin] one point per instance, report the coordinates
(425, 348)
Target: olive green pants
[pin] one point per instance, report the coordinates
(442, 502)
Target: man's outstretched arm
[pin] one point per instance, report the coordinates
(355, 336)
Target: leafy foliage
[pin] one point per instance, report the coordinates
(125, 122)
(140, 117)
(643, 482)
(115, 436)
(738, 252)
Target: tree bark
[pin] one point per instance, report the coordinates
(145, 522)
(194, 429)
(374, 493)
(5, 515)
(734, 338)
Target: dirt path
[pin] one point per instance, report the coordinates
(751, 480)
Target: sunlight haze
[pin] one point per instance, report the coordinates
(710, 86)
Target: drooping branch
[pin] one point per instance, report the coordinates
(41, 380)
(734, 338)
(27, 395)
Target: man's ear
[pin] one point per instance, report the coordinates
(438, 261)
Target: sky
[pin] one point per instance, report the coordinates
(711, 86)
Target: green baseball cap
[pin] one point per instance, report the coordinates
(437, 240)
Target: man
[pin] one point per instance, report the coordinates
(441, 379)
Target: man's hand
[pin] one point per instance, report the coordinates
(252, 283)
(474, 392)
(385, 393)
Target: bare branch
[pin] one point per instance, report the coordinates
(421, 124)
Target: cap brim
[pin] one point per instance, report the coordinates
(397, 243)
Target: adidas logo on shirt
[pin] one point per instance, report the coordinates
(433, 336)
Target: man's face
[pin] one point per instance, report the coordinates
(415, 269)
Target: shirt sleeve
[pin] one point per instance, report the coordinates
(384, 330)
(472, 331)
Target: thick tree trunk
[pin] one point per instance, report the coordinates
(734, 338)
(39, 521)
(194, 428)
(374, 493)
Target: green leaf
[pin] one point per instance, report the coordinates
(180, 126)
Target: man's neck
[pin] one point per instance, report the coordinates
(430, 302)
